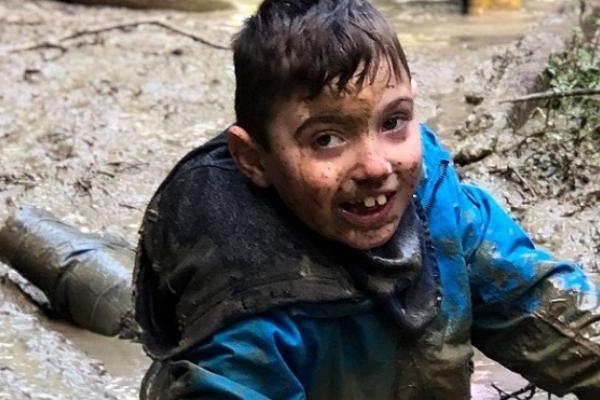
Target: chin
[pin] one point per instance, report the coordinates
(370, 243)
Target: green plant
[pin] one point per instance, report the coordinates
(578, 68)
(559, 144)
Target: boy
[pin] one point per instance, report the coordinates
(324, 248)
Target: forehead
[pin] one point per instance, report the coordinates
(356, 99)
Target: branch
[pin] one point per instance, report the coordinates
(528, 391)
(553, 95)
(56, 44)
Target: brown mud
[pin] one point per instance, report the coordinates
(89, 126)
(549, 181)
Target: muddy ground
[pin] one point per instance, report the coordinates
(90, 125)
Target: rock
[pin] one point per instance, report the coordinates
(474, 99)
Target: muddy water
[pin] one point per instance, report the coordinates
(88, 133)
(37, 362)
(125, 362)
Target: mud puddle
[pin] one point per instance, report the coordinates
(89, 131)
(124, 361)
(38, 362)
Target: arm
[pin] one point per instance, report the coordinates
(254, 359)
(324, 351)
(534, 314)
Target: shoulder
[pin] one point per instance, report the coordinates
(192, 193)
(213, 153)
(171, 229)
(438, 177)
(433, 150)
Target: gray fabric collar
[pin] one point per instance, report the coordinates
(402, 275)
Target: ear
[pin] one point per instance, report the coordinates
(248, 155)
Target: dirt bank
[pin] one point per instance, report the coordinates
(540, 158)
(90, 125)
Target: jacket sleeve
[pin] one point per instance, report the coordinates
(532, 313)
(254, 359)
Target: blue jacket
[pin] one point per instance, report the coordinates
(536, 315)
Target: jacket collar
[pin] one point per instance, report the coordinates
(435, 162)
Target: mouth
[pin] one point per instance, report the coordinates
(370, 211)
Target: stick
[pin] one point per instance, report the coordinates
(554, 95)
(521, 142)
(86, 32)
(509, 169)
(524, 181)
(528, 390)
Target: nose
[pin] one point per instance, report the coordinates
(372, 163)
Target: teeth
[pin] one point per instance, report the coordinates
(348, 186)
(381, 199)
(369, 202)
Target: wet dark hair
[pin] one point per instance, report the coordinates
(301, 46)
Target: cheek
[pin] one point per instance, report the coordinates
(410, 169)
(286, 175)
(304, 185)
(320, 183)
(413, 174)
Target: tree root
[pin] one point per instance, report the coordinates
(57, 44)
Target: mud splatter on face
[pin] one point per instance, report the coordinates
(344, 158)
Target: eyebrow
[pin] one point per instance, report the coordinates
(345, 120)
(397, 102)
(334, 119)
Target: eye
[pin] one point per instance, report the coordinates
(327, 141)
(393, 123)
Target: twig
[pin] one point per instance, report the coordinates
(20, 22)
(508, 170)
(518, 145)
(553, 95)
(586, 203)
(56, 44)
(523, 181)
(548, 112)
(129, 206)
(528, 390)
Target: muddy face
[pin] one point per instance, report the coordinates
(347, 163)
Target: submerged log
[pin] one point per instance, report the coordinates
(85, 276)
(181, 5)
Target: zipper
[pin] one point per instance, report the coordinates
(443, 169)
